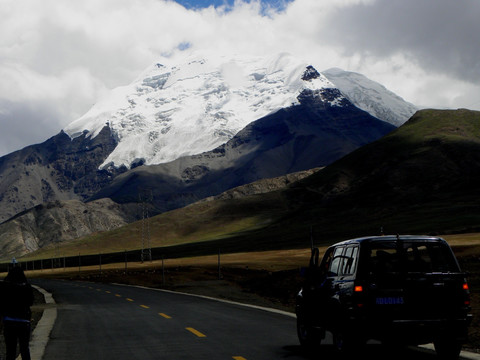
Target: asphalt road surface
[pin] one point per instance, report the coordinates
(104, 321)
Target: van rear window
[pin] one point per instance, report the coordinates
(411, 256)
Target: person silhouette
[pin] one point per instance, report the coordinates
(16, 299)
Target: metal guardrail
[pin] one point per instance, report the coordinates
(130, 256)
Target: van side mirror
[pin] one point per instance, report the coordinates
(314, 257)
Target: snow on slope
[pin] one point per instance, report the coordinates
(371, 97)
(189, 106)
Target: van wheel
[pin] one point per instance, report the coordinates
(346, 343)
(309, 337)
(447, 348)
(340, 341)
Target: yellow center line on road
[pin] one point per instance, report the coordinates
(196, 332)
(238, 358)
(165, 315)
(108, 292)
(118, 295)
(128, 299)
(145, 306)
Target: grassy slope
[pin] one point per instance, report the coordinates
(420, 178)
(204, 221)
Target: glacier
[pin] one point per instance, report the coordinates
(371, 96)
(194, 103)
(191, 106)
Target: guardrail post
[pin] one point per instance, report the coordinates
(219, 269)
(163, 270)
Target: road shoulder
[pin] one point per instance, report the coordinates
(42, 331)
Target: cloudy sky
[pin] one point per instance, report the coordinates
(57, 57)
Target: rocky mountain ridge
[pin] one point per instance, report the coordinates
(58, 169)
(54, 223)
(59, 221)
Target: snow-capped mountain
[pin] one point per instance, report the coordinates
(192, 105)
(187, 107)
(202, 125)
(371, 96)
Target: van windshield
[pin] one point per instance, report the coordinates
(411, 256)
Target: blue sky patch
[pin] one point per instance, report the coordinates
(199, 4)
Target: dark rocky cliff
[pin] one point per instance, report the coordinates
(59, 221)
(57, 169)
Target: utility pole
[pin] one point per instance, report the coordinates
(145, 198)
(311, 237)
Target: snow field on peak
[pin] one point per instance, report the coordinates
(371, 96)
(194, 105)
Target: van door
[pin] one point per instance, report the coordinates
(414, 280)
(334, 279)
(346, 278)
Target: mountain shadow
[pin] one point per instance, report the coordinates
(312, 134)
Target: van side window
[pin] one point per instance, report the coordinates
(349, 263)
(336, 261)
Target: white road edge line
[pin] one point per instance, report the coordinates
(286, 313)
(42, 331)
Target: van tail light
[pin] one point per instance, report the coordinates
(358, 289)
(467, 293)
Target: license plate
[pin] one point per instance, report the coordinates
(389, 300)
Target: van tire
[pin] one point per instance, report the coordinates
(447, 348)
(346, 343)
(309, 338)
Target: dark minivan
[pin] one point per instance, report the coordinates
(396, 289)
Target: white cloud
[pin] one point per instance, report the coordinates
(60, 56)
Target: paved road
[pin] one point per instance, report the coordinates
(100, 321)
(96, 321)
